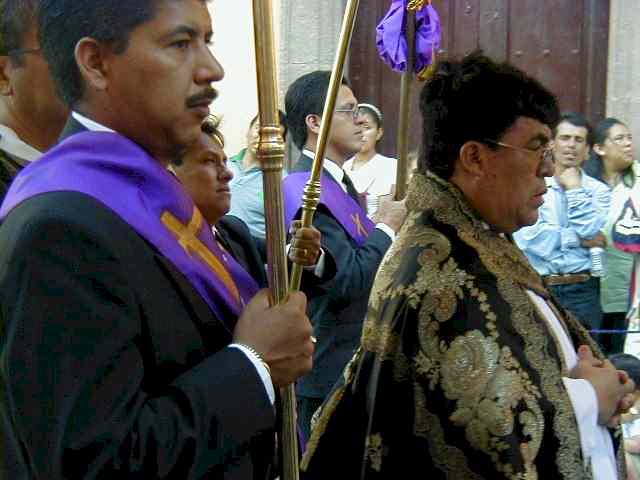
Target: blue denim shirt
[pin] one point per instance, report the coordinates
(247, 195)
(553, 243)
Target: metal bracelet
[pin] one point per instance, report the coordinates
(257, 355)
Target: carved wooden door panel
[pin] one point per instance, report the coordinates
(563, 43)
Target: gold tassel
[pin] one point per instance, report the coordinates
(416, 5)
(426, 73)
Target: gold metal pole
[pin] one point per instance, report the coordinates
(270, 154)
(405, 109)
(311, 197)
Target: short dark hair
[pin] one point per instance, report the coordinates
(476, 99)
(16, 19)
(627, 363)
(577, 120)
(282, 118)
(62, 23)
(593, 166)
(211, 126)
(306, 96)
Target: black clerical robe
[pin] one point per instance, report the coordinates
(458, 375)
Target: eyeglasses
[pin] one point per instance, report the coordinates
(545, 153)
(620, 139)
(354, 111)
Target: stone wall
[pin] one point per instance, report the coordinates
(623, 89)
(309, 34)
(310, 30)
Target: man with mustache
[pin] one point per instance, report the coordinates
(132, 345)
(31, 114)
(356, 244)
(574, 211)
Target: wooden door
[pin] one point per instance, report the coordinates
(563, 43)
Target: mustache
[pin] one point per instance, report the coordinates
(208, 95)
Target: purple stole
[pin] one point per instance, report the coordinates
(343, 208)
(121, 175)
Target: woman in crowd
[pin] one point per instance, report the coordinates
(204, 173)
(372, 174)
(611, 162)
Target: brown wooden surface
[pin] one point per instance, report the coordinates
(563, 43)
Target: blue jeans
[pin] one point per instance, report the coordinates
(583, 300)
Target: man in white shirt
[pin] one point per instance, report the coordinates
(31, 113)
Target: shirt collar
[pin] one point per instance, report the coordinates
(332, 167)
(553, 183)
(90, 124)
(22, 152)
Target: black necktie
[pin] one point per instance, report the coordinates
(351, 189)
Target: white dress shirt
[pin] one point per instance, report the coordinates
(595, 439)
(21, 152)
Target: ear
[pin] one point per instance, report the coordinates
(473, 158)
(91, 59)
(6, 66)
(313, 123)
(599, 149)
(379, 134)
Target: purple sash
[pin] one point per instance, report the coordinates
(121, 175)
(344, 208)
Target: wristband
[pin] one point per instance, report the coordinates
(257, 355)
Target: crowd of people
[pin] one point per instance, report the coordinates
(463, 331)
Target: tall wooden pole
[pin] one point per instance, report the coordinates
(270, 153)
(406, 86)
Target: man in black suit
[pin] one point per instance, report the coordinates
(132, 346)
(31, 114)
(337, 309)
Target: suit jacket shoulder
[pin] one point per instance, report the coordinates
(236, 237)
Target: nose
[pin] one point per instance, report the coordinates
(208, 68)
(225, 174)
(547, 166)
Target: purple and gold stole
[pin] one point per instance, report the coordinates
(343, 208)
(121, 175)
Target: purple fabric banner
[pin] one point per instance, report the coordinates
(120, 174)
(391, 36)
(344, 208)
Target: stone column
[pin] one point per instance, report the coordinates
(309, 31)
(309, 34)
(623, 89)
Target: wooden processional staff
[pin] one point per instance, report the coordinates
(270, 153)
(407, 39)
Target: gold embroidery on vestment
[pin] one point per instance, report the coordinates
(374, 451)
